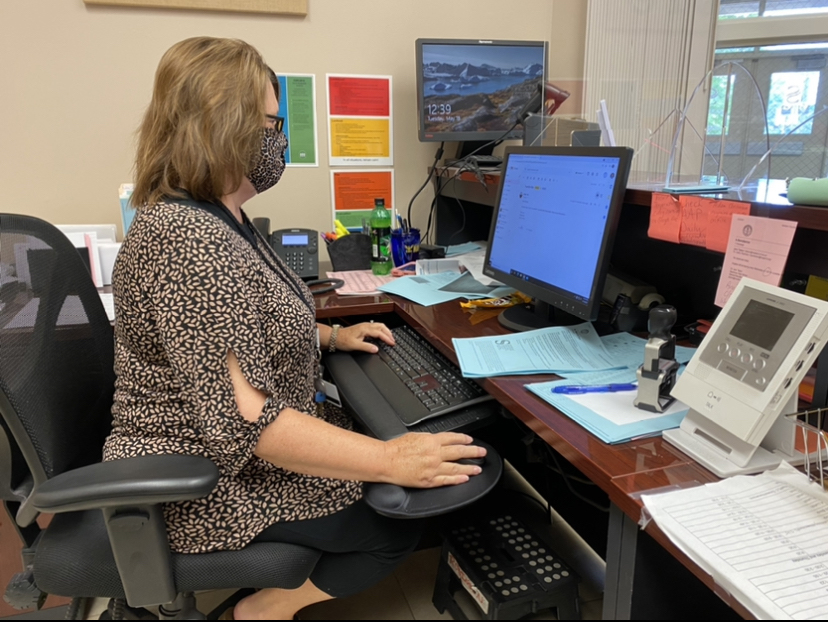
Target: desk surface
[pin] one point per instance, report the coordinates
(623, 471)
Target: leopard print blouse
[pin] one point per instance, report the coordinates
(188, 289)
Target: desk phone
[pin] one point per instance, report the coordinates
(745, 375)
(300, 250)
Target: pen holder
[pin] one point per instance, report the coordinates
(350, 252)
(405, 246)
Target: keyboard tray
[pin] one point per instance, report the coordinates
(362, 399)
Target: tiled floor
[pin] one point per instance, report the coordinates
(406, 594)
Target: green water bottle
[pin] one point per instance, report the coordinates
(380, 239)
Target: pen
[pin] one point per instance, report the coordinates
(575, 389)
(402, 222)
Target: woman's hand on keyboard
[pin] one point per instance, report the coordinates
(359, 337)
(431, 460)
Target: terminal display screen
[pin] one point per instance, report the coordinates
(761, 324)
(295, 240)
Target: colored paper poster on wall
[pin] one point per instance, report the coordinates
(757, 248)
(354, 192)
(359, 121)
(297, 105)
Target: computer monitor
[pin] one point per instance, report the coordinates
(472, 91)
(552, 230)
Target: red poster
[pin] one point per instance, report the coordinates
(362, 97)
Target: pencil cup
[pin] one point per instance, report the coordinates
(405, 246)
(350, 252)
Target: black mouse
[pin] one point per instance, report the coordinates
(473, 461)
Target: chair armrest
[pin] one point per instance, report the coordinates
(145, 480)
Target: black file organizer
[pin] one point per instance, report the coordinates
(350, 252)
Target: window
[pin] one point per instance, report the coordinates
(716, 115)
(784, 46)
(735, 9)
(791, 101)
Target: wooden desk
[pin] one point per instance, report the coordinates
(622, 471)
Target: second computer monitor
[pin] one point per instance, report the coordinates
(553, 227)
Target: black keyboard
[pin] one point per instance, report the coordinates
(434, 380)
(413, 381)
(482, 161)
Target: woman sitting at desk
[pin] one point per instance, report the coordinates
(217, 347)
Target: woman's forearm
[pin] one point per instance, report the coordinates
(305, 444)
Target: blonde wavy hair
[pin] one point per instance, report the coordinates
(201, 132)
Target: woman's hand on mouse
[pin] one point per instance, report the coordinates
(430, 460)
(358, 337)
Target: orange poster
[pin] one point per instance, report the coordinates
(354, 192)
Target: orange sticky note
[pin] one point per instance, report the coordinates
(719, 218)
(694, 212)
(665, 217)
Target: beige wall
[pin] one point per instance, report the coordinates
(76, 78)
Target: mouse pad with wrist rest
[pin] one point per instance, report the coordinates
(362, 399)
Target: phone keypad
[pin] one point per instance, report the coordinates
(296, 261)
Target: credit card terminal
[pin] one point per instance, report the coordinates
(300, 250)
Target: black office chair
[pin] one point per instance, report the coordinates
(108, 537)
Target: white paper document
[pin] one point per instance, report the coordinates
(763, 538)
(473, 262)
(435, 266)
(546, 350)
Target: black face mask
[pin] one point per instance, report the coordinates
(271, 164)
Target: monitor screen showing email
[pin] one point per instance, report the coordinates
(552, 218)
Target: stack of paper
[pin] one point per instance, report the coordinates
(763, 538)
(562, 350)
(461, 249)
(612, 417)
(359, 282)
(542, 351)
(580, 356)
(436, 288)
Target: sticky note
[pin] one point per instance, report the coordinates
(665, 217)
(694, 212)
(719, 217)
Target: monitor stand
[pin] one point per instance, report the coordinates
(535, 315)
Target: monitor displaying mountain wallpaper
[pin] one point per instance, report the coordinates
(472, 87)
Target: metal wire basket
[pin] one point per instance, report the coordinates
(813, 442)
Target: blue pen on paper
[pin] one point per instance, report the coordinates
(578, 389)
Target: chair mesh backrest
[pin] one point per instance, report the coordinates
(56, 346)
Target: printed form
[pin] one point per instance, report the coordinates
(763, 538)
